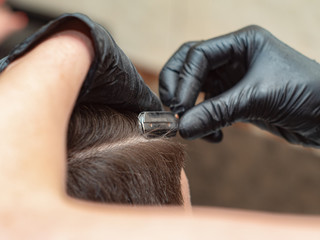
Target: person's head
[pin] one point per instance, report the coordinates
(110, 161)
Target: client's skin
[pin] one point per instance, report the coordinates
(37, 95)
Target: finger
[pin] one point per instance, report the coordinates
(123, 86)
(169, 75)
(127, 88)
(134, 95)
(211, 115)
(213, 85)
(202, 58)
(128, 91)
(146, 99)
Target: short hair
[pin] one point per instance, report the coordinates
(110, 161)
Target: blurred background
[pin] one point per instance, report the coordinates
(250, 169)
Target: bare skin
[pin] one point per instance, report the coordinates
(37, 94)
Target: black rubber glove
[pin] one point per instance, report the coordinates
(112, 79)
(248, 76)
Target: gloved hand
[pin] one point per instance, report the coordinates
(250, 76)
(112, 79)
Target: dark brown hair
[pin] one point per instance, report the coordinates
(110, 161)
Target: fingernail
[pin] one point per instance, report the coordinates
(177, 109)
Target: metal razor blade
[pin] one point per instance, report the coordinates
(158, 124)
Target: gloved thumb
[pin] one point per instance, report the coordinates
(210, 116)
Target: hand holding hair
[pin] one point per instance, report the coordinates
(250, 76)
(112, 78)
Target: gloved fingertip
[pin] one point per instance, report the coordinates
(187, 131)
(150, 104)
(177, 110)
(194, 124)
(176, 107)
(157, 105)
